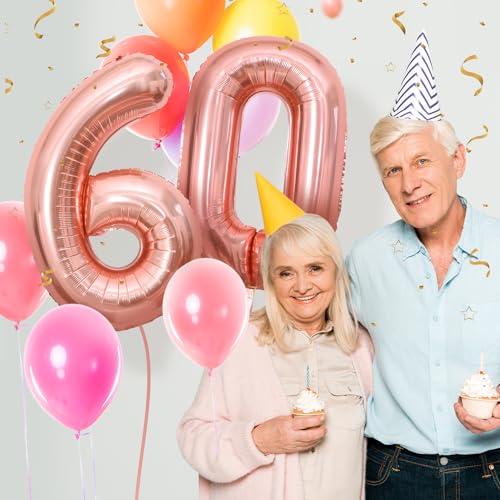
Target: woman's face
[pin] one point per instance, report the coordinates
(304, 287)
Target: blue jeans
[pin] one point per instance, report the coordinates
(393, 473)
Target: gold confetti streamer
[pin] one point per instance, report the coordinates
(43, 16)
(106, 50)
(50, 68)
(76, 24)
(20, 141)
(10, 84)
(288, 45)
(485, 205)
(425, 4)
(476, 137)
(397, 22)
(477, 76)
(482, 23)
(351, 60)
(480, 262)
(46, 279)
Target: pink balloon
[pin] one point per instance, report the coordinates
(20, 290)
(205, 309)
(72, 363)
(331, 8)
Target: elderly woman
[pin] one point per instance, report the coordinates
(246, 444)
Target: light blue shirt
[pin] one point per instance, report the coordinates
(428, 340)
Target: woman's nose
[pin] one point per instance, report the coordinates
(302, 284)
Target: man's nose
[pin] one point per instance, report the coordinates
(411, 180)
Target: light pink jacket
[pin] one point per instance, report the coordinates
(246, 392)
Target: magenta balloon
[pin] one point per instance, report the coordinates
(20, 290)
(205, 309)
(72, 363)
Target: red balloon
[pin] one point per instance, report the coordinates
(160, 123)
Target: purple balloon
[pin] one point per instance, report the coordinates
(259, 117)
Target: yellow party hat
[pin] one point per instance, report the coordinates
(277, 209)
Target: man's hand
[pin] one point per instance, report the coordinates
(477, 425)
(289, 434)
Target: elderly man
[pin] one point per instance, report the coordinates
(427, 288)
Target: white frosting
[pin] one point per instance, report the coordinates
(308, 401)
(479, 386)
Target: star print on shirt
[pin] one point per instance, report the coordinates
(398, 247)
(468, 313)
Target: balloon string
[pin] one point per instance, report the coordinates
(214, 417)
(25, 413)
(82, 479)
(146, 412)
(92, 458)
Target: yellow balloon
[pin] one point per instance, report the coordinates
(246, 18)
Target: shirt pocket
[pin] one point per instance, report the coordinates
(345, 405)
(481, 334)
(291, 388)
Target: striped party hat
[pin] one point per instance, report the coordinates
(417, 98)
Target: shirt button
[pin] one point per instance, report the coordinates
(435, 317)
(443, 461)
(427, 275)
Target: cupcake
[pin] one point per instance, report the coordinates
(308, 403)
(479, 395)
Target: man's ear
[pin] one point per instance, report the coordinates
(459, 160)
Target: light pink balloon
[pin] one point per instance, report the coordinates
(331, 8)
(72, 363)
(20, 290)
(312, 92)
(205, 309)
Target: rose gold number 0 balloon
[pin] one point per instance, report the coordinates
(313, 93)
(64, 205)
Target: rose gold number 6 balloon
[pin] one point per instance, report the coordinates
(312, 91)
(64, 205)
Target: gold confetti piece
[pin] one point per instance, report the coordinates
(288, 45)
(420, 287)
(106, 50)
(351, 60)
(397, 22)
(354, 38)
(425, 4)
(94, 87)
(46, 279)
(122, 282)
(373, 323)
(43, 16)
(482, 23)
(485, 205)
(50, 68)
(10, 84)
(141, 25)
(20, 141)
(103, 243)
(76, 25)
(311, 11)
(476, 137)
(480, 262)
(477, 76)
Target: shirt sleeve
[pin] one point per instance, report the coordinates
(219, 447)
(354, 287)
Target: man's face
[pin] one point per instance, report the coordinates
(420, 177)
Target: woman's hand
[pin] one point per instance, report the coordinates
(289, 434)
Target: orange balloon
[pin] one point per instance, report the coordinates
(183, 24)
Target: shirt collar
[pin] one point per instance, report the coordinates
(328, 328)
(412, 244)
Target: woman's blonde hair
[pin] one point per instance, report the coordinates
(390, 129)
(312, 235)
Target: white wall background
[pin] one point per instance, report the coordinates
(360, 44)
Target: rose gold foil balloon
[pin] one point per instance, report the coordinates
(313, 94)
(64, 205)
